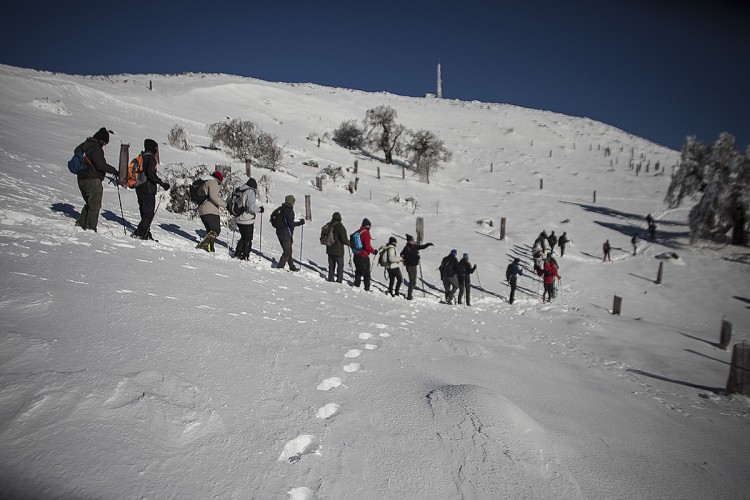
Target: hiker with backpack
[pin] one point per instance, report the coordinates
(550, 273)
(410, 257)
(336, 240)
(552, 240)
(146, 191)
(448, 274)
(282, 219)
(634, 242)
(464, 270)
(362, 251)
(90, 179)
(243, 201)
(390, 259)
(562, 242)
(607, 248)
(512, 272)
(209, 211)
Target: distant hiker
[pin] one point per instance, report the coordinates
(209, 211)
(649, 220)
(146, 192)
(512, 272)
(448, 274)
(562, 242)
(464, 270)
(335, 251)
(537, 255)
(90, 179)
(634, 241)
(246, 220)
(550, 273)
(652, 230)
(393, 266)
(551, 256)
(607, 248)
(362, 256)
(552, 239)
(285, 232)
(410, 255)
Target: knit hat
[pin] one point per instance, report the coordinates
(289, 199)
(150, 145)
(102, 135)
(218, 176)
(466, 256)
(454, 251)
(392, 239)
(409, 237)
(336, 216)
(252, 183)
(366, 222)
(516, 260)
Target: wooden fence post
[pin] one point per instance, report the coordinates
(356, 183)
(502, 228)
(617, 305)
(726, 334)
(308, 208)
(660, 273)
(378, 172)
(351, 187)
(492, 167)
(403, 172)
(594, 195)
(541, 183)
(356, 167)
(420, 230)
(739, 372)
(123, 165)
(248, 167)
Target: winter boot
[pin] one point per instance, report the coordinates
(207, 243)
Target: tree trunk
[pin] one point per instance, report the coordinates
(739, 235)
(388, 157)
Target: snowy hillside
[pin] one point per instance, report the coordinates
(134, 369)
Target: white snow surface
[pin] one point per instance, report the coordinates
(136, 369)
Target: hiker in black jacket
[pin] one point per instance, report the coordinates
(146, 192)
(464, 270)
(336, 250)
(285, 233)
(90, 179)
(448, 273)
(511, 274)
(410, 256)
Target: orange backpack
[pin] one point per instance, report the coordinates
(135, 176)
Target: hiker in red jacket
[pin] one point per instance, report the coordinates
(362, 256)
(550, 273)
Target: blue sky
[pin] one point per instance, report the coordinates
(658, 69)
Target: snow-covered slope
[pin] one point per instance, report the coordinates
(132, 369)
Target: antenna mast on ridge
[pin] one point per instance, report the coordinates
(439, 83)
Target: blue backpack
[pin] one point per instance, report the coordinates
(79, 164)
(355, 241)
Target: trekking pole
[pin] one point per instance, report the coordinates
(260, 238)
(301, 239)
(481, 288)
(122, 214)
(424, 294)
(231, 245)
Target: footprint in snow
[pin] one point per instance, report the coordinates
(352, 367)
(365, 336)
(328, 411)
(371, 347)
(329, 383)
(352, 353)
(301, 493)
(385, 334)
(302, 445)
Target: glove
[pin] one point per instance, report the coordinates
(302, 222)
(430, 244)
(166, 186)
(261, 210)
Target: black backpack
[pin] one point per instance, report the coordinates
(197, 194)
(277, 218)
(509, 272)
(235, 205)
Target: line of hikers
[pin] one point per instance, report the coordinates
(455, 274)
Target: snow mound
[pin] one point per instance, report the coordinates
(497, 450)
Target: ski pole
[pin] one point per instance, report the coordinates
(301, 239)
(260, 238)
(481, 288)
(122, 214)
(424, 294)
(231, 245)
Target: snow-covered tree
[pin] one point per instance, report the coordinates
(348, 135)
(721, 176)
(382, 132)
(245, 140)
(426, 151)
